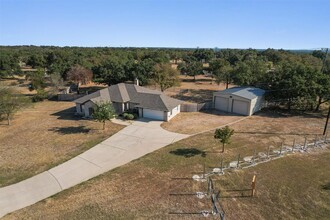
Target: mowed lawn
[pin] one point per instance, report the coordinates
(43, 136)
(292, 187)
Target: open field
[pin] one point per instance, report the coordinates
(293, 187)
(43, 136)
(195, 122)
(199, 91)
(19, 84)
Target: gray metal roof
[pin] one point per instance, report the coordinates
(143, 97)
(244, 92)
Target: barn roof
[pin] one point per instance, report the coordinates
(244, 92)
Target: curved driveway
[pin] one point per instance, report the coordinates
(132, 142)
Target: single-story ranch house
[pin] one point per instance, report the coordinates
(149, 103)
(239, 100)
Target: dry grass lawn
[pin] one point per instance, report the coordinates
(197, 91)
(293, 187)
(19, 84)
(43, 136)
(195, 122)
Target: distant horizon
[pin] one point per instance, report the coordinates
(239, 24)
(180, 48)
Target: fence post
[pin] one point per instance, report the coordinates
(293, 145)
(315, 140)
(221, 169)
(254, 156)
(305, 144)
(268, 152)
(238, 160)
(204, 170)
(281, 149)
(253, 185)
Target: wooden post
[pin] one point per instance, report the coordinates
(315, 140)
(254, 155)
(268, 152)
(293, 145)
(325, 138)
(221, 165)
(238, 160)
(305, 144)
(204, 170)
(281, 149)
(253, 186)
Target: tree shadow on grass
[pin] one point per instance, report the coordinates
(326, 186)
(188, 152)
(67, 114)
(70, 130)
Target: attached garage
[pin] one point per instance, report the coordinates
(153, 114)
(239, 100)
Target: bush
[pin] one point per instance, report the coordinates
(128, 116)
(40, 96)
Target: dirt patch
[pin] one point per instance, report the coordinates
(195, 122)
(43, 136)
(198, 91)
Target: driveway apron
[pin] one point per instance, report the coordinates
(132, 142)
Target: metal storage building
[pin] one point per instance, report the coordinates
(239, 100)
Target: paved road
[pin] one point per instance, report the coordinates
(132, 142)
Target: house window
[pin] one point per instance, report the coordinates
(91, 111)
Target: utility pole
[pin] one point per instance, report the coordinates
(322, 71)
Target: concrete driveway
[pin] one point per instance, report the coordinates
(132, 142)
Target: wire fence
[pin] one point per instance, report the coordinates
(212, 196)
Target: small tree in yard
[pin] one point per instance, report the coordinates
(103, 112)
(10, 103)
(223, 134)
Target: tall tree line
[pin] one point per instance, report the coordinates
(296, 79)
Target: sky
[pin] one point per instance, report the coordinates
(287, 24)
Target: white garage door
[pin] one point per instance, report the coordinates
(240, 107)
(153, 114)
(221, 103)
